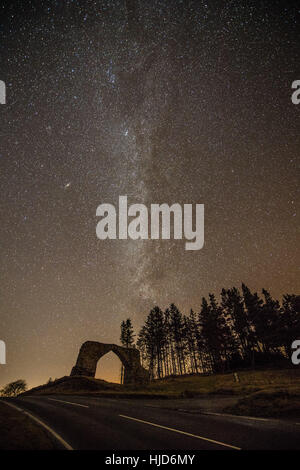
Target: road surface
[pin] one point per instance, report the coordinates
(83, 423)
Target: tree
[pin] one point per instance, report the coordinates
(177, 337)
(14, 388)
(191, 338)
(233, 333)
(290, 321)
(170, 349)
(142, 345)
(127, 333)
(155, 339)
(253, 306)
(127, 339)
(234, 310)
(217, 334)
(271, 313)
(145, 344)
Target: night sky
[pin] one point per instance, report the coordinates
(162, 101)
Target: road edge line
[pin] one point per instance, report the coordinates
(226, 415)
(255, 418)
(69, 402)
(41, 423)
(182, 432)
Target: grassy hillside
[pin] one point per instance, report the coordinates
(249, 382)
(74, 385)
(15, 425)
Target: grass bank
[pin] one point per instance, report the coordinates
(250, 381)
(19, 432)
(269, 403)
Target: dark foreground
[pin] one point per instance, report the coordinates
(119, 424)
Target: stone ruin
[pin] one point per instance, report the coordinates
(91, 351)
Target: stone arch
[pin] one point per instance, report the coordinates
(92, 351)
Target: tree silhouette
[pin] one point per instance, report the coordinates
(240, 331)
(14, 388)
(127, 339)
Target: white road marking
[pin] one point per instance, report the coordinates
(69, 402)
(41, 423)
(225, 415)
(182, 432)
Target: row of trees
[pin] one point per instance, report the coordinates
(241, 330)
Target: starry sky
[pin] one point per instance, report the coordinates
(185, 101)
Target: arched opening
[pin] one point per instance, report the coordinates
(109, 368)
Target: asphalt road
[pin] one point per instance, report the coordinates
(112, 424)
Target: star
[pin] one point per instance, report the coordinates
(164, 105)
